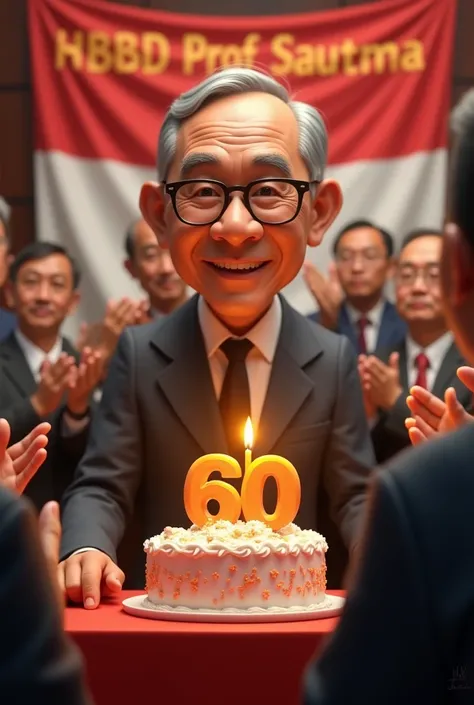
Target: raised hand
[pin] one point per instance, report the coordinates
(84, 380)
(327, 292)
(20, 462)
(55, 379)
(86, 577)
(431, 415)
(49, 527)
(380, 382)
(369, 406)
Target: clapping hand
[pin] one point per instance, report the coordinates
(431, 415)
(327, 292)
(84, 379)
(20, 462)
(55, 380)
(380, 382)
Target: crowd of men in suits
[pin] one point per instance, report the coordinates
(332, 395)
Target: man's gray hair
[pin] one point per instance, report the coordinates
(313, 141)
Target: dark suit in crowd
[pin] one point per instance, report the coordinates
(407, 632)
(391, 332)
(38, 664)
(17, 385)
(159, 413)
(7, 323)
(389, 435)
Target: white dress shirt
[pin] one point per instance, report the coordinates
(264, 336)
(371, 332)
(35, 356)
(436, 352)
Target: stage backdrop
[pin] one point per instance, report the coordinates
(105, 74)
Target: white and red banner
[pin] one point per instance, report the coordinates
(105, 74)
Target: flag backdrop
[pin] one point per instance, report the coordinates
(105, 74)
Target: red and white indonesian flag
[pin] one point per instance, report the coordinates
(105, 74)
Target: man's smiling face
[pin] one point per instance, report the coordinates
(237, 263)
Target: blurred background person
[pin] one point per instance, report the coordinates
(152, 266)
(428, 355)
(7, 317)
(407, 631)
(43, 376)
(352, 299)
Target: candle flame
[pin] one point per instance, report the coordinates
(248, 433)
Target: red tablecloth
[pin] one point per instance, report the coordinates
(135, 661)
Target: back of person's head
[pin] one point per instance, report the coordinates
(39, 251)
(457, 264)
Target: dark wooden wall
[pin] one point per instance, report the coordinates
(16, 174)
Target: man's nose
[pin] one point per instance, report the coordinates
(43, 292)
(236, 224)
(167, 266)
(419, 283)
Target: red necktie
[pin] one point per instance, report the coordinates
(362, 324)
(422, 364)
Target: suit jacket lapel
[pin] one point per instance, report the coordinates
(16, 366)
(386, 325)
(186, 381)
(346, 328)
(447, 372)
(403, 366)
(289, 385)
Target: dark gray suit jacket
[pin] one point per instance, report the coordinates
(38, 664)
(159, 413)
(17, 384)
(407, 632)
(390, 435)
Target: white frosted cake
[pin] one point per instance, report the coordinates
(241, 566)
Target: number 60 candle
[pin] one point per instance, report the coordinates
(198, 490)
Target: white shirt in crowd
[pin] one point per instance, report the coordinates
(436, 352)
(264, 336)
(35, 357)
(371, 332)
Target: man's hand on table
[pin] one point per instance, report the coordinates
(87, 576)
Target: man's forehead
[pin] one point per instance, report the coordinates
(423, 249)
(53, 264)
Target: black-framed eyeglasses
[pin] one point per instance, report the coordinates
(269, 201)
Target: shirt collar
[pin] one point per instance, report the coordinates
(264, 335)
(435, 351)
(374, 315)
(34, 355)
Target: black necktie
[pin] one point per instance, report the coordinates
(234, 401)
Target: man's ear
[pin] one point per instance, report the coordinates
(8, 293)
(152, 206)
(74, 302)
(128, 265)
(325, 207)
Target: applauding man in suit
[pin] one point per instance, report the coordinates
(42, 376)
(428, 356)
(351, 300)
(242, 195)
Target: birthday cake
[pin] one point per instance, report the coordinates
(236, 566)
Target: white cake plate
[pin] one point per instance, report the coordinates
(140, 606)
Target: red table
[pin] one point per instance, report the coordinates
(135, 661)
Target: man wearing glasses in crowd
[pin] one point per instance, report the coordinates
(242, 195)
(427, 357)
(351, 300)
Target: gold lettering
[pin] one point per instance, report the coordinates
(250, 48)
(156, 52)
(279, 49)
(99, 53)
(374, 57)
(69, 50)
(212, 57)
(127, 57)
(326, 59)
(349, 52)
(413, 56)
(231, 54)
(194, 51)
(303, 64)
